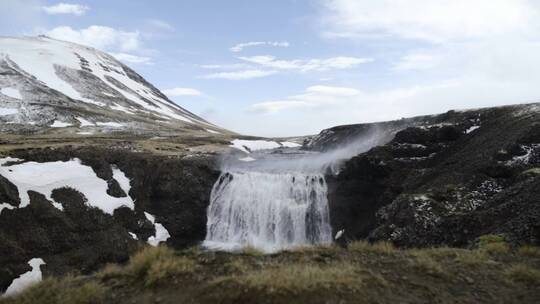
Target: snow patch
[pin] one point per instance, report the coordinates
(439, 125)
(5, 206)
(84, 122)
(8, 111)
(527, 109)
(118, 107)
(161, 233)
(11, 92)
(8, 159)
(289, 144)
(212, 131)
(39, 59)
(45, 177)
(121, 178)
(110, 124)
(133, 236)
(60, 124)
(469, 130)
(253, 145)
(85, 133)
(524, 159)
(26, 279)
(247, 159)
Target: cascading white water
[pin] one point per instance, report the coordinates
(277, 199)
(268, 210)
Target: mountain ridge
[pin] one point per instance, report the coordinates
(46, 82)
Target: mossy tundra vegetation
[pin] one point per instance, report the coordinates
(492, 272)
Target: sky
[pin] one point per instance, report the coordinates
(292, 67)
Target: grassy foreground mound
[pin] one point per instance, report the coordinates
(363, 273)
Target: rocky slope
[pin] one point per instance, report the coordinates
(57, 84)
(166, 202)
(442, 180)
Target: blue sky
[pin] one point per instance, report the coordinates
(286, 67)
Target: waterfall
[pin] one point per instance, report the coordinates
(277, 199)
(268, 210)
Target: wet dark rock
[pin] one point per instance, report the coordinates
(8, 192)
(114, 189)
(439, 183)
(81, 238)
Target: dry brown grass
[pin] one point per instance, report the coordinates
(164, 269)
(377, 273)
(386, 248)
(426, 264)
(493, 244)
(436, 252)
(237, 266)
(326, 248)
(496, 248)
(152, 266)
(69, 290)
(298, 278)
(529, 251)
(252, 251)
(472, 257)
(110, 271)
(521, 273)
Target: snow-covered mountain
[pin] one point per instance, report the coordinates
(48, 83)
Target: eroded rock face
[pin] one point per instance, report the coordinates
(447, 183)
(81, 238)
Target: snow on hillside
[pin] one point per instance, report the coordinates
(60, 124)
(46, 177)
(249, 146)
(26, 279)
(8, 111)
(11, 92)
(161, 233)
(5, 206)
(288, 144)
(86, 78)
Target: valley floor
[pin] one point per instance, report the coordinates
(362, 273)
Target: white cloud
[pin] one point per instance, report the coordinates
(332, 91)
(269, 107)
(232, 66)
(460, 54)
(333, 106)
(417, 60)
(313, 97)
(132, 58)
(240, 75)
(66, 8)
(239, 47)
(160, 24)
(431, 20)
(100, 37)
(307, 65)
(182, 92)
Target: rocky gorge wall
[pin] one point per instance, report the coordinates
(174, 190)
(445, 181)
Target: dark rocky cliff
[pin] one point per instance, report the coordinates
(444, 180)
(81, 238)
